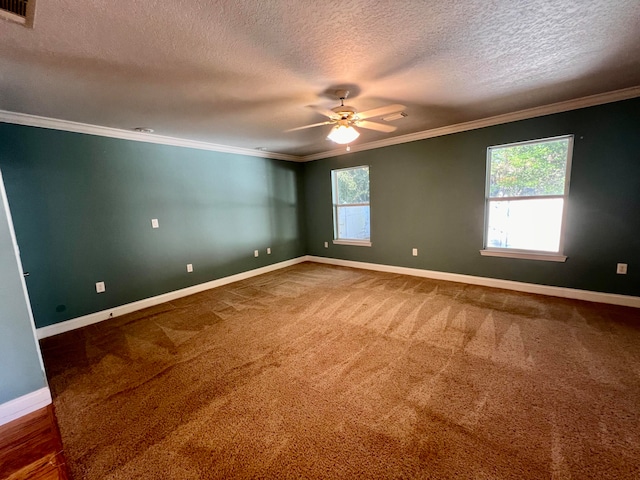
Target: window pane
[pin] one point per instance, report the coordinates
(353, 185)
(529, 169)
(353, 223)
(525, 224)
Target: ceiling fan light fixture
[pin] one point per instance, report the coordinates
(343, 134)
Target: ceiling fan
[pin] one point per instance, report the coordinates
(344, 118)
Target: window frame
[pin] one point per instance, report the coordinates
(557, 256)
(335, 205)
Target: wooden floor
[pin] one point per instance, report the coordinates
(30, 447)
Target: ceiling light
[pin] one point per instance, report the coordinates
(343, 134)
(395, 116)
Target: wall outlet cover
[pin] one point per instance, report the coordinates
(189, 267)
(155, 223)
(326, 244)
(415, 252)
(621, 269)
(100, 287)
(268, 251)
(256, 253)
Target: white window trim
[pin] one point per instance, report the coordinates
(358, 243)
(334, 207)
(524, 254)
(529, 254)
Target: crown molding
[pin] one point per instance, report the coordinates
(559, 107)
(76, 127)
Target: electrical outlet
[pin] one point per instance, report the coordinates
(189, 267)
(621, 269)
(154, 223)
(326, 244)
(268, 251)
(415, 252)
(100, 287)
(256, 253)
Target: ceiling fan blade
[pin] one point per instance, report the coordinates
(309, 126)
(324, 111)
(380, 127)
(378, 112)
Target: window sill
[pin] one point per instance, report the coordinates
(546, 257)
(357, 243)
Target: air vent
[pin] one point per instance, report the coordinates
(395, 116)
(19, 11)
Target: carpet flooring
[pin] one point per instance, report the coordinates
(317, 371)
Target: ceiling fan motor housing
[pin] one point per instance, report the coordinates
(346, 113)
(348, 117)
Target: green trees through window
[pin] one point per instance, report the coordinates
(351, 211)
(526, 195)
(353, 185)
(529, 170)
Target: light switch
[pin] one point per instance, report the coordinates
(326, 244)
(415, 252)
(100, 287)
(268, 251)
(256, 253)
(189, 267)
(154, 223)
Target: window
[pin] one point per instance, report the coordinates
(527, 190)
(351, 206)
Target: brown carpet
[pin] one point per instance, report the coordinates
(325, 372)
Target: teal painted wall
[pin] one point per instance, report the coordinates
(429, 195)
(20, 369)
(82, 208)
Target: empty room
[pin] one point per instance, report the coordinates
(296, 239)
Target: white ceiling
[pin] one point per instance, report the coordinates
(241, 72)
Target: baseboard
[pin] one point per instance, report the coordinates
(24, 405)
(96, 317)
(599, 297)
(564, 292)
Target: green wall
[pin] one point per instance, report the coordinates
(82, 208)
(429, 194)
(21, 372)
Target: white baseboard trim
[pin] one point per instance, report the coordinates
(564, 292)
(78, 322)
(24, 405)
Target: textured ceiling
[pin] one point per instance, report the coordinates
(241, 72)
